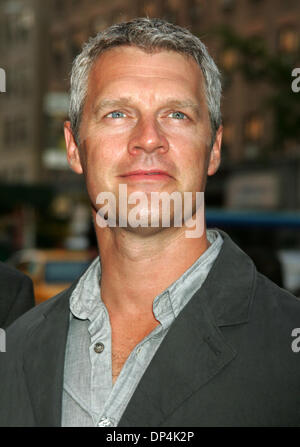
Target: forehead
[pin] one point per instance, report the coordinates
(131, 68)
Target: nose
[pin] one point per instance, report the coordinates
(148, 137)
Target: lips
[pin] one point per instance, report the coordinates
(146, 173)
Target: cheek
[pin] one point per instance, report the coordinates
(103, 152)
(191, 159)
(189, 152)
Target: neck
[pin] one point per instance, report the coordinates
(135, 268)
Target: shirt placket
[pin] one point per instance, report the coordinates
(144, 351)
(100, 358)
(118, 399)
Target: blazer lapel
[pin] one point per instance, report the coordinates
(44, 361)
(194, 350)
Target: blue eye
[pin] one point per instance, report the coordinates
(178, 115)
(116, 114)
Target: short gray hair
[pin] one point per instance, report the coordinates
(150, 35)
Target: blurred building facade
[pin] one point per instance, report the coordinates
(21, 42)
(258, 171)
(39, 40)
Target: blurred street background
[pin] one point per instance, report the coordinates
(255, 196)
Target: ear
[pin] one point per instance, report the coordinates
(73, 155)
(215, 153)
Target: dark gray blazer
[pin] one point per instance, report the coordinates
(227, 359)
(16, 294)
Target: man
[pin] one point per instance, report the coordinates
(16, 295)
(163, 329)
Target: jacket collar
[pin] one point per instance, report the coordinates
(229, 288)
(223, 300)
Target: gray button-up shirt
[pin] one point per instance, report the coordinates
(89, 396)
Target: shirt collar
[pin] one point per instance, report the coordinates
(86, 302)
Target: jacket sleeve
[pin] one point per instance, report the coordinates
(15, 405)
(22, 302)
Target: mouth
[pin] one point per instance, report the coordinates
(146, 173)
(140, 174)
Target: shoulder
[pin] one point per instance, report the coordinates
(12, 276)
(31, 319)
(22, 334)
(41, 321)
(273, 324)
(16, 294)
(271, 299)
(240, 275)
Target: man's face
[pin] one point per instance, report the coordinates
(144, 113)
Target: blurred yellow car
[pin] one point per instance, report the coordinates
(50, 270)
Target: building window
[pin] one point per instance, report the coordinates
(59, 6)
(58, 51)
(15, 132)
(99, 23)
(19, 173)
(77, 41)
(25, 83)
(21, 131)
(227, 5)
(229, 59)
(25, 24)
(228, 134)
(254, 128)
(9, 33)
(174, 4)
(7, 133)
(288, 40)
(2, 36)
(196, 11)
(9, 84)
(150, 9)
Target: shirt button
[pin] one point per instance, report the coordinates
(98, 347)
(105, 422)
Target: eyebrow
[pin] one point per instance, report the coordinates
(184, 104)
(110, 103)
(105, 104)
